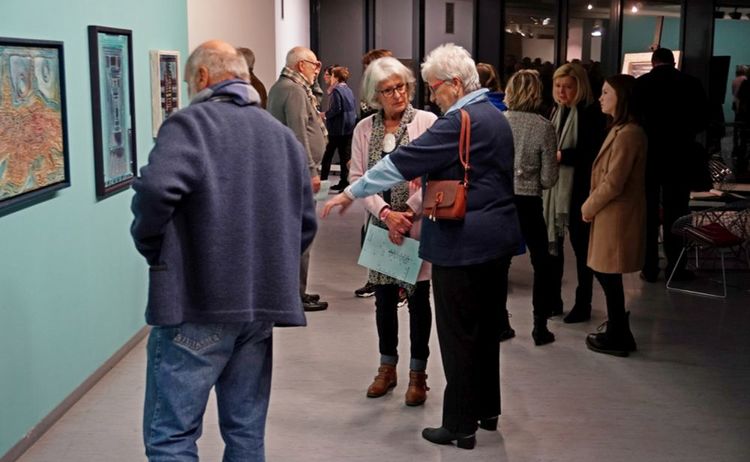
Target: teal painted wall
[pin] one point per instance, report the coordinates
(72, 287)
(731, 38)
(638, 33)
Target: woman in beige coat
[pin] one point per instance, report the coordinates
(616, 209)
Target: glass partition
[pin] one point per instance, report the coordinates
(588, 35)
(530, 28)
(729, 88)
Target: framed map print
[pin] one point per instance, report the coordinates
(165, 86)
(113, 108)
(33, 125)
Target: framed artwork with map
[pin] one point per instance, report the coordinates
(165, 86)
(113, 108)
(33, 124)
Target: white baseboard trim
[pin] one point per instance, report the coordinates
(47, 422)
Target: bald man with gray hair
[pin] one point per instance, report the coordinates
(292, 101)
(222, 263)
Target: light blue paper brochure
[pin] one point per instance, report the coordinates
(322, 195)
(398, 261)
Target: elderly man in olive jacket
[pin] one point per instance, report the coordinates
(292, 101)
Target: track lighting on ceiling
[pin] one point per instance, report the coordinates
(589, 6)
(597, 30)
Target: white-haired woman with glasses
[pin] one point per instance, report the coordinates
(388, 86)
(469, 257)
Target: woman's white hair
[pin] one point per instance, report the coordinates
(383, 69)
(450, 61)
(218, 62)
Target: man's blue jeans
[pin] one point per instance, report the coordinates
(184, 363)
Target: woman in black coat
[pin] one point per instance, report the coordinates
(581, 128)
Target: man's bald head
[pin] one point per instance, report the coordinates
(213, 62)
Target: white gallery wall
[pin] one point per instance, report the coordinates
(463, 24)
(291, 30)
(243, 23)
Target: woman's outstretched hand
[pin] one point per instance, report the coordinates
(339, 200)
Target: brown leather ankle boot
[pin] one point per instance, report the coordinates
(416, 394)
(384, 381)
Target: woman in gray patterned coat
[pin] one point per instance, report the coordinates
(535, 169)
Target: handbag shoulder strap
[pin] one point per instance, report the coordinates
(464, 144)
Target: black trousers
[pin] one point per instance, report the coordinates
(420, 319)
(614, 294)
(674, 204)
(344, 144)
(534, 231)
(579, 239)
(468, 320)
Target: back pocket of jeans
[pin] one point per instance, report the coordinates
(197, 336)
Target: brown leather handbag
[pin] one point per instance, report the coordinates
(446, 199)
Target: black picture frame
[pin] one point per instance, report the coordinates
(112, 108)
(34, 155)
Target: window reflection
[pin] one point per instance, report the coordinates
(730, 86)
(588, 35)
(529, 36)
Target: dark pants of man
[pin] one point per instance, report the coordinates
(673, 197)
(468, 320)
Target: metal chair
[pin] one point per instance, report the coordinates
(722, 230)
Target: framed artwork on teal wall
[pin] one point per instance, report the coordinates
(113, 108)
(165, 86)
(33, 123)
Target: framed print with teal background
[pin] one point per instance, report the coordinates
(113, 108)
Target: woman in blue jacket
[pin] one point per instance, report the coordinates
(470, 257)
(341, 117)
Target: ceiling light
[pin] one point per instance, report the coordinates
(590, 6)
(634, 9)
(546, 21)
(597, 30)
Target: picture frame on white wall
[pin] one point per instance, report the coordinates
(166, 96)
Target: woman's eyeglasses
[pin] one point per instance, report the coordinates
(389, 92)
(434, 87)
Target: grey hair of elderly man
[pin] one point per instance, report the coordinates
(213, 62)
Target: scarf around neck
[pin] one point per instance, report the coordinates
(299, 79)
(399, 194)
(556, 200)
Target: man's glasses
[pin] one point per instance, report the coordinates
(390, 91)
(315, 64)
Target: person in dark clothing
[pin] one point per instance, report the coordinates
(470, 257)
(249, 56)
(581, 128)
(673, 109)
(488, 79)
(340, 119)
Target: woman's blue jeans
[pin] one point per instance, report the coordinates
(184, 363)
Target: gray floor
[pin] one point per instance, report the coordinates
(682, 397)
